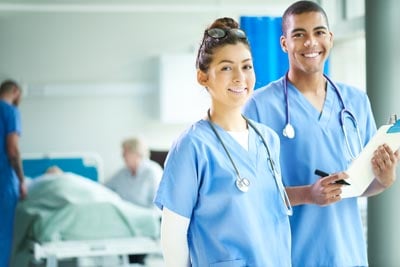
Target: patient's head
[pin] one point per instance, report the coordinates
(54, 170)
(134, 150)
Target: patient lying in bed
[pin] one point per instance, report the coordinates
(65, 206)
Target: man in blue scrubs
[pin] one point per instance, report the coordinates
(12, 186)
(305, 109)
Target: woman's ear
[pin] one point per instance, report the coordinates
(202, 78)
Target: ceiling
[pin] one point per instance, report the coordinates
(139, 5)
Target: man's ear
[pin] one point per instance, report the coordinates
(202, 78)
(283, 44)
(331, 38)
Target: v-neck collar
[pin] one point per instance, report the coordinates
(241, 157)
(321, 117)
(228, 140)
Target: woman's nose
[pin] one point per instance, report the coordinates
(239, 76)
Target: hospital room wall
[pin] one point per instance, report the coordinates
(96, 124)
(60, 56)
(62, 49)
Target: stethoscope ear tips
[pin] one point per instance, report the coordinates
(288, 131)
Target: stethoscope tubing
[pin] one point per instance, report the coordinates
(341, 117)
(239, 179)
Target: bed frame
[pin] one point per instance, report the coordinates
(56, 251)
(91, 166)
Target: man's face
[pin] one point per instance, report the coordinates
(307, 41)
(16, 97)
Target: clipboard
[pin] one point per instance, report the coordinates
(360, 170)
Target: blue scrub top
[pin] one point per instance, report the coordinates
(9, 185)
(321, 236)
(227, 227)
(10, 122)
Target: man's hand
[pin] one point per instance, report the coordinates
(326, 191)
(384, 163)
(23, 190)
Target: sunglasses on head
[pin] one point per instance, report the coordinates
(218, 33)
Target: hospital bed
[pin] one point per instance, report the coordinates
(82, 220)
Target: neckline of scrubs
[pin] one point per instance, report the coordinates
(229, 141)
(323, 117)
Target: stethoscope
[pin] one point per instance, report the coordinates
(289, 132)
(243, 183)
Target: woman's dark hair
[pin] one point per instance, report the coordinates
(301, 7)
(209, 44)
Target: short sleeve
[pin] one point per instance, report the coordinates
(250, 110)
(178, 188)
(13, 121)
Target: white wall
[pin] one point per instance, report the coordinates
(58, 44)
(92, 124)
(348, 61)
(52, 46)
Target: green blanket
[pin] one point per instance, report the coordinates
(71, 207)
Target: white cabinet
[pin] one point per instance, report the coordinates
(181, 98)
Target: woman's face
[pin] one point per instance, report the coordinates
(230, 78)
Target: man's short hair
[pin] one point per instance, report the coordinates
(301, 7)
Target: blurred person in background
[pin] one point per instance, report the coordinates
(12, 184)
(137, 182)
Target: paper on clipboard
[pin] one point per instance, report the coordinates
(360, 171)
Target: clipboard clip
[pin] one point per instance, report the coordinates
(395, 128)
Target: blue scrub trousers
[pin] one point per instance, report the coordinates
(8, 202)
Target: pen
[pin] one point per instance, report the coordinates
(324, 174)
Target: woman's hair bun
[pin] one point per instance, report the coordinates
(225, 23)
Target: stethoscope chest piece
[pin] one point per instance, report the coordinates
(288, 131)
(243, 184)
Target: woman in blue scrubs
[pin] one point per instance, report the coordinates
(307, 110)
(221, 194)
(12, 186)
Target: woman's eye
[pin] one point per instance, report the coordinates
(248, 67)
(226, 68)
